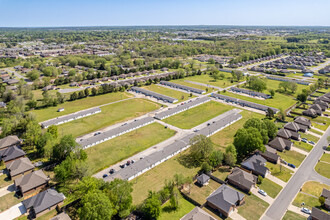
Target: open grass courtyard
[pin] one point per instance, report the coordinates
(181, 96)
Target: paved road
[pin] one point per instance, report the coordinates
(305, 172)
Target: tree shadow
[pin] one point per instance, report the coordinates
(169, 209)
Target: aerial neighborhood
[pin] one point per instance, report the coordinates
(165, 122)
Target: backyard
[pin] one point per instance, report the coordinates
(110, 152)
(184, 207)
(323, 169)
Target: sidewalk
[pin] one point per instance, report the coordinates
(276, 180)
(299, 150)
(7, 189)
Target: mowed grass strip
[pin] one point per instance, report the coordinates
(197, 115)
(110, 114)
(184, 207)
(279, 171)
(292, 157)
(8, 201)
(326, 158)
(206, 79)
(253, 207)
(110, 152)
(225, 137)
(302, 145)
(323, 169)
(289, 215)
(78, 105)
(180, 96)
(270, 187)
(183, 82)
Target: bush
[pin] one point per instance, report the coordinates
(205, 168)
(322, 200)
(260, 179)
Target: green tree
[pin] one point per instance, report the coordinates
(272, 92)
(271, 128)
(215, 76)
(86, 91)
(231, 155)
(322, 200)
(64, 148)
(94, 91)
(27, 65)
(32, 104)
(256, 83)
(33, 75)
(200, 149)
(238, 75)
(216, 158)
(32, 134)
(152, 206)
(73, 96)
(205, 167)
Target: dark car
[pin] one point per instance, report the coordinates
(291, 165)
(122, 166)
(105, 175)
(112, 171)
(128, 163)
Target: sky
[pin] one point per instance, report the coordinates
(59, 13)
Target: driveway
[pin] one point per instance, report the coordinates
(13, 212)
(267, 198)
(7, 189)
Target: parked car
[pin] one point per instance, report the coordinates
(262, 192)
(304, 140)
(283, 161)
(112, 171)
(132, 161)
(128, 163)
(326, 115)
(123, 165)
(291, 165)
(105, 175)
(97, 133)
(306, 210)
(311, 142)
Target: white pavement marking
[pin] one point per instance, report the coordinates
(276, 180)
(299, 150)
(6, 190)
(13, 212)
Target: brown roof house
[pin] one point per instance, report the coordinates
(303, 121)
(242, 179)
(225, 199)
(197, 214)
(280, 144)
(292, 126)
(19, 167)
(43, 202)
(326, 195)
(256, 164)
(12, 153)
(287, 134)
(31, 183)
(317, 214)
(203, 179)
(9, 141)
(270, 154)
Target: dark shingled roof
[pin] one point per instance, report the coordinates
(225, 197)
(43, 200)
(31, 180)
(320, 215)
(280, 144)
(242, 177)
(256, 163)
(203, 178)
(197, 214)
(19, 166)
(11, 153)
(9, 141)
(303, 121)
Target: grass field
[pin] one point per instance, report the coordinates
(181, 96)
(183, 82)
(289, 215)
(4, 181)
(197, 115)
(222, 173)
(304, 146)
(321, 123)
(124, 146)
(326, 158)
(109, 115)
(206, 79)
(292, 157)
(280, 172)
(310, 137)
(78, 105)
(323, 169)
(316, 132)
(253, 207)
(270, 187)
(225, 137)
(184, 208)
(8, 201)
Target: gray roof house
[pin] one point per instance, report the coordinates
(256, 164)
(317, 214)
(61, 216)
(316, 107)
(242, 179)
(197, 214)
(270, 154)
(9, 141)
(31, 182)
(250, 92)
(43, 202)
(225, 199)
(292, 126)
(19, 167)
(326, 195)
(280, 144)
(287, 134)
(322, 104)
(303, 121)
(186, 88)
(310, 112)
(153, 94)
(12, 153)
(203, 179)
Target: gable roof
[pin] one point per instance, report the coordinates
(309, 112)
(43, 200)
(270, 153)
(318, 214)
(292, 126)
(280, 144)
(197, 214)
(242, 177)
(225, 197)
(19, 166)
(61, 216)
(256, 163)
(9, 141)
(11, 153)
(31, 180)
(303, 121)
(287, 134)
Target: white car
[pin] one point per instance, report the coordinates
(306, 210)
(262, 192)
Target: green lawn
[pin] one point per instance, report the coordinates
(197, 115)
(323, 169)
(292, 157)
(309, 137)
(314, 188)
(253, 207)
(226, 136)
(206, 79)
(279, 171)
(321, 123)
(109, 115)
(78, 105)
(316, 132)
(181, 96)
(199, 194)
(183, 82)
(4, 181)
(289, 215)
(124, 146)
(270, 187)
(184, 208)
(326, 158)
(222, 173)
(303, 146)
(308, 200)
(8, 201)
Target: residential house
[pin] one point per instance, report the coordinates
(10, 154)
(256, 164)
(317, 108)
(31, 183)
(310, 112)
(225, 199)
(19, 167)
(280, 144)
(61, 216)
(203, 179)
(324, 106)
(292, 126)
(326, 195)
(270, 154)
(9, 141)
(317, 214)
(43, 202)
(195, 214)
(242, 179)
(303, 121)
(287, 134)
